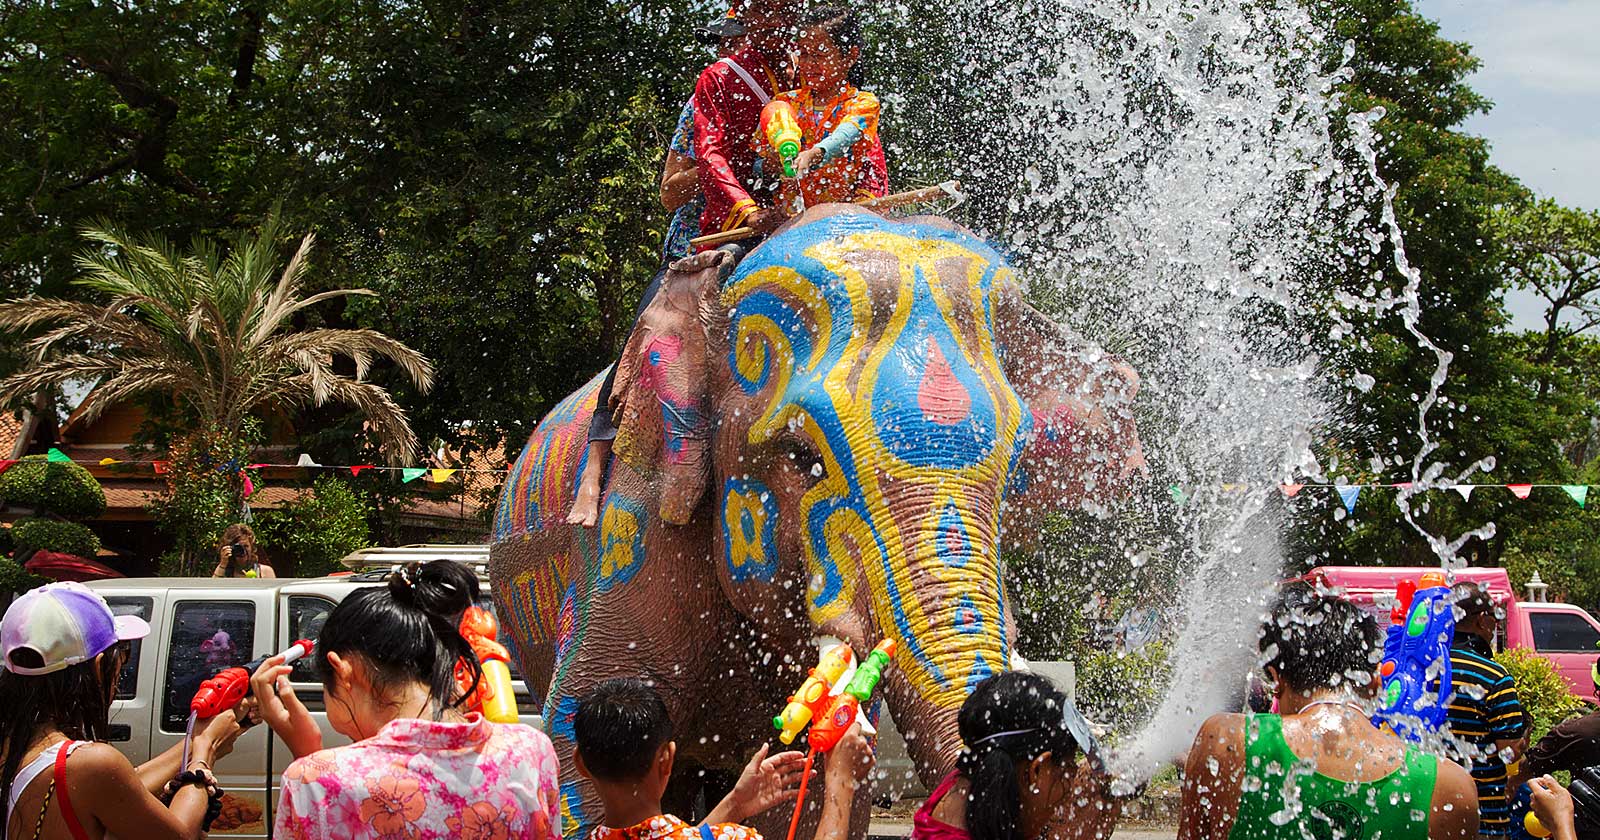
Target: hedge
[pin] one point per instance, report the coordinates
(62, 488)
(36, 534)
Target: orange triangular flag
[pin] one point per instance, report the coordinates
(1290, 489)
(1521, 491)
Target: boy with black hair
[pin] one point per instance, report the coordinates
(625, 748)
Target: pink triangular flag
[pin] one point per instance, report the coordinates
(1290, 489)
(1465, 490)
(1401, 485)
(1521, 491)
(249, 486)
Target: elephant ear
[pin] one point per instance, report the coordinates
(1083, 444)
(661, 396)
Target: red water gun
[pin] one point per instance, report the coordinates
(229, 687)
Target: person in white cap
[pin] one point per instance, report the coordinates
(62, 650)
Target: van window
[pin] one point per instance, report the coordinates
(1563, 632)
(207, 636)
(307, 614)
(128, 680)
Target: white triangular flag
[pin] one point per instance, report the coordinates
(1465, 490)
(306, 461)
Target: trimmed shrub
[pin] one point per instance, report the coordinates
(8, 543)
(1545, 695)
(35, 534)
(318, 528)
(15, 580)
(64, 489)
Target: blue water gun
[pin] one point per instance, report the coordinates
(1420, 631)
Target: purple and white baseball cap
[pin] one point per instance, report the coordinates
(65, 623)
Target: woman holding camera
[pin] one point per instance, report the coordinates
(239, 556)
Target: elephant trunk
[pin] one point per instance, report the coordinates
(946, 612)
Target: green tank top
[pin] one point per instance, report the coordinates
(1273, 805)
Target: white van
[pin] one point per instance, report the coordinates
(198, 626)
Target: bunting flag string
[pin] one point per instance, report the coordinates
(436, 475)
(1348, 494)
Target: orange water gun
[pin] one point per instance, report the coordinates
(834, 712)
(815, 694)
(493, 696)
(844, 709)
(781, 128)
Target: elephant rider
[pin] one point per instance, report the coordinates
(727, 110)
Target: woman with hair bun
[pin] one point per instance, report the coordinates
(420, 767)
(1019, 777)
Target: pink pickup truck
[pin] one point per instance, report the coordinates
(1562, 633)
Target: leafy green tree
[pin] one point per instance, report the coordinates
(57, 487)
(214, 331)
(318, 528)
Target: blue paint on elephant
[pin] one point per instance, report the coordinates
(749, 523)
(980, 672)
(968, 620)
(559, 714)
(955, 546)
(931, 409)
(622, 527)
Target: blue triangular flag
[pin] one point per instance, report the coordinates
(1348, 494)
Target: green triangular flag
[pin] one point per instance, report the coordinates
(1177, 494)
(56, 456)
(410, 474)
(1578, 492)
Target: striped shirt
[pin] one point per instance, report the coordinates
(1484, 709)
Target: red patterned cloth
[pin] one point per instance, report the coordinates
(726, 112)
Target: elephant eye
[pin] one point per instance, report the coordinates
(802, 457)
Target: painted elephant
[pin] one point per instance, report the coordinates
(823, 441)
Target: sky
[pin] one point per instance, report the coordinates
(1541, 68)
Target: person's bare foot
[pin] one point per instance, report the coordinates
(586, 505)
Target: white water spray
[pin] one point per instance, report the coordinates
(1190, 187)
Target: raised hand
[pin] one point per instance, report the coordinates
(282, 710)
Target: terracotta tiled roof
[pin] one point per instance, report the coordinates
(10, 431)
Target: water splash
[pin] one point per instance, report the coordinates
(1189, 192)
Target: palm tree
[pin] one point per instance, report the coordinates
(214, 330)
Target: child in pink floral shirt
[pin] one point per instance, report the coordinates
(419, 768)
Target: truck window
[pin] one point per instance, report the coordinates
(307, 614)
(128, 679)
(1557, 632)
(207, 636)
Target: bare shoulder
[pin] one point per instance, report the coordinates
(1454, 810)
(1221, 733)
(98, 758)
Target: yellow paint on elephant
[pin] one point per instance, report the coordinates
(621, 541)
(747, 518)
(829, 401)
